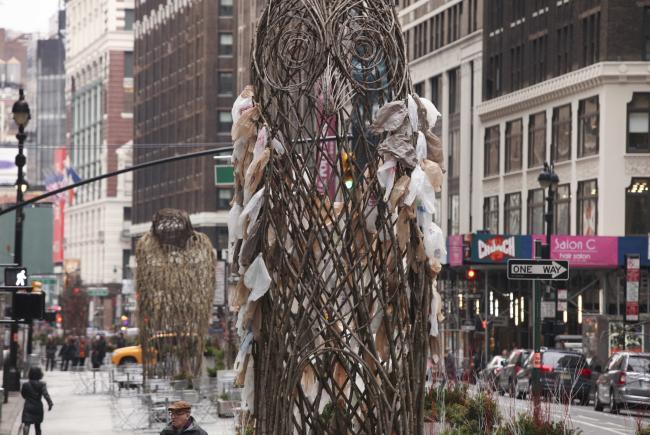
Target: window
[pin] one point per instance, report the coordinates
(539, 53)
(513, 145)
(562, 212)
(564, 44)
(472, 20)
(588, 127)
(454, 150)
(518, 9)
(587, 207)
(493, 84)
(536, 211)
(225, 44)
(638, 123)
(454, 91)
(126, 214)
(225, 121)
(561, 147)
(516, 67)
(129, 17)
(646, 33)
(436, 99)
(512, 214)
(637, 207)
(128, 64)
(224, 196)
(491, 157)
(454, 215)
(491, 214)
(225, 85)
(419, 89)
(590, 35)
(536, 139)
(226, 8)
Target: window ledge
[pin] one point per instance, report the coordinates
(513, 173)
(562, 163)
(535, 168)
(630, 155)
(492, 177)
(587, 158)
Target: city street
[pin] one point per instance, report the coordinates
(75, 413)
(584, 418)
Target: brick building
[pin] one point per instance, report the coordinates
(99, 98)
(185, 79)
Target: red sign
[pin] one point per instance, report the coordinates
(59, 211)
(632, 264)
(455, 250)
(585, 251)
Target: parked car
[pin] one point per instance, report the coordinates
(563, 374)
(488, 376)
(625, 382)
(507, 377)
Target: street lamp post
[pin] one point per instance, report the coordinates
(21, 115)
(548, 179)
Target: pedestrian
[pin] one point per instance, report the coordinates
(450, 366)
(120, 342)
(33, 391)
(50, 353)
(83, 352)
(99, 351)
(182, 421)
(75, 353)
(63, 353)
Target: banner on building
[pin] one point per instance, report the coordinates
(498, 249)
(455, 250)
(585, 251)
(632, 278)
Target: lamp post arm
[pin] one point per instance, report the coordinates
(110, 174)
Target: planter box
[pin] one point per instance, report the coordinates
(225, 407)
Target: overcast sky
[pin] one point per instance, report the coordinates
(27, 15)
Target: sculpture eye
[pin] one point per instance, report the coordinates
(370, 50)
(290, 46)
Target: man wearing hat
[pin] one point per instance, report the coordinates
(182, 421)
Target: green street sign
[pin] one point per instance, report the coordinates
(224, 175)
(97, 291)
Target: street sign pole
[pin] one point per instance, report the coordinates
(537, 297)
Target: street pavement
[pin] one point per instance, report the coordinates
(75, 413)
(584, 418)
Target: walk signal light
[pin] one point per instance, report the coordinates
(484, 324)
(37, 287)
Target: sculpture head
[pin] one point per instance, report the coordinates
(172, 227)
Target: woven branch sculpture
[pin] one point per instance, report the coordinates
(175, 280)
(336, 170)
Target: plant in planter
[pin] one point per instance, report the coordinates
(212, 372)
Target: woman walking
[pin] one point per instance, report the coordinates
(33, 392)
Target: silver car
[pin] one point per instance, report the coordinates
(625, 382)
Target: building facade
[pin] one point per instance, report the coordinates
(445, 46)
(50, 107)
(99, 98)
(185, 79)
(566, 83)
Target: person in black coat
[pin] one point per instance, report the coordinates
(50, 353)
(33, 392)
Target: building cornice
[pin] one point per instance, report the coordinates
(117, 40)
(566, 85)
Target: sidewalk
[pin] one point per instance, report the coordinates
(74, 414)
(11, 411)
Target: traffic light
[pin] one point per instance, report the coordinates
(471, 275)
(346, 164)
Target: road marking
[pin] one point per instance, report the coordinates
(574, 420)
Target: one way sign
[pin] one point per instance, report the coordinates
(550, 270)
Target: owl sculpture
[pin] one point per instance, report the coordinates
(175, 280)
(331, 226)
